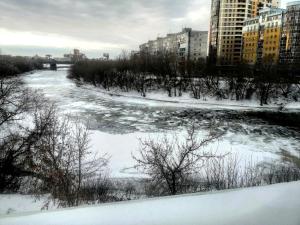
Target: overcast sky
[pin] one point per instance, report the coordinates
(28, 27)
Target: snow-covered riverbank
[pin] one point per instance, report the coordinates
(160, 98)
(269, 205)
(117, 122)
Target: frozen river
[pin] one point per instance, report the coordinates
(118, 122)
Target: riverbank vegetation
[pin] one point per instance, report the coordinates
(145, 73)
(14, 65)
(177, 167)
(42, 152)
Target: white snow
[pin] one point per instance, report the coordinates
(17, 203)
(121, 147)
(268, 205)
(122, 113)
(58, 81)
(160, 98)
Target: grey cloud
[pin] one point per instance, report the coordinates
(126, 22)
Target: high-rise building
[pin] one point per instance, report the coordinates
(251, 37)
(226, 25)
(262, 35)
(258, 5)
(290, 40)
(186, 45)
(214, 30)
(273, 36)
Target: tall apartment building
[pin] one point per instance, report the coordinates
(262, 35)
(273, 36)
(258, 5)
(186, 45)
(290, 39)
(226, 25)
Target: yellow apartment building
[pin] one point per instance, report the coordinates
(226, 25)
(272, 21)
(251, 35)
(261, 37)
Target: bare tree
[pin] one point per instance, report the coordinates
(171, 163)
(15, 102)
(62, 161)
(50, 149)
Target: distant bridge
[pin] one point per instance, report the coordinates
(54, 65)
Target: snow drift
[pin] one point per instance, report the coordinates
(268, 205)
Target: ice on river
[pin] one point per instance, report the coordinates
(117, 123)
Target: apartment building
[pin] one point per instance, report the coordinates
(258, 5)
(251, 37)
(273, 37)
(290, 38)
(226, 25)
(262, 36)
(186, 45)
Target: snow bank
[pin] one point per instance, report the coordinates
(160, 98)
(269, 205)
(16, 203)
(56, 85)
(247, 147)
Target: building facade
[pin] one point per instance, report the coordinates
(262, 36)
(258, 5)
(273, 37)
(226, 25)
(186, 45)
(251, 37)
(290, 39)
(75, 56)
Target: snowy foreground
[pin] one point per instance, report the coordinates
(17, 203)
(269, 205)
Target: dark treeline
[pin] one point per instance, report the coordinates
(11, 66)
(143, 73)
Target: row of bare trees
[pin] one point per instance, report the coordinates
(231, 172)
(144, 73)
(13, 65)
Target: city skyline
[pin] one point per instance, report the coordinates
(102, 26)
